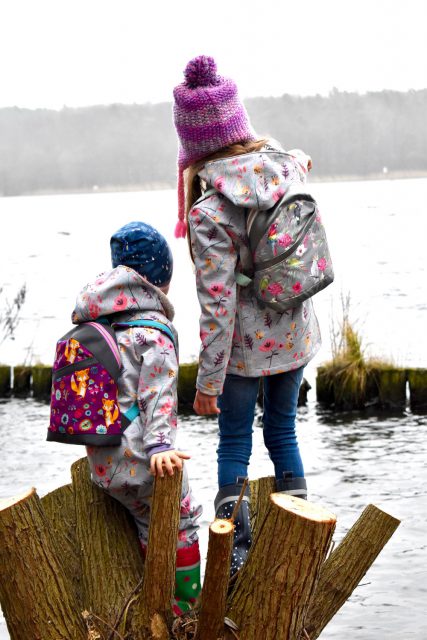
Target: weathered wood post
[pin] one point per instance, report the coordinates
(274, 587)
(5, 388)
(346, 566)
(21, 380)
(214, 593)
(36, 595)
(110, 555)
(155, 615)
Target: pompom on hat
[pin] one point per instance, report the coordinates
(208, 116)
(139, 246)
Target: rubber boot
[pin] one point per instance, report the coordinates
(225, 502)
(187, 578)
(292, 486)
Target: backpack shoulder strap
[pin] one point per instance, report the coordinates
(154, 324)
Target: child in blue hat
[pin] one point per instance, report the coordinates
(136, 289)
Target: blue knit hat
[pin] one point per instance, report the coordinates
(144, 249)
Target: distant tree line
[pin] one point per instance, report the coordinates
(135, 145)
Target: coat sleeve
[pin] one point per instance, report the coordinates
(215, 259)
(157, 389)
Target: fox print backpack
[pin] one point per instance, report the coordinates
(84, 407)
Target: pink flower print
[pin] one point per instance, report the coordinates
(215, 289)
(297, 287)
(267, 345)
(284, 240)
(278, 194)
(166, 408)
(120, 302)
(99, 281)
(94, 310)
(182, 536)
(100, 470)
(219, 183)
(195, 212)
(161, 341)
(321, 264)
(185, 505)
(275, 288)
(300, 251)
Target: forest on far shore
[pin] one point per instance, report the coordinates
(134, 146)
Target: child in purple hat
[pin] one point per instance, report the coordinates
(229, 171)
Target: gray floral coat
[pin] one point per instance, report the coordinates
(238, 334)
(149, 377)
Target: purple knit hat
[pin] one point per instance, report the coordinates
(208, 116)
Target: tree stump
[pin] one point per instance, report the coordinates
(60, 511)
(214, 593)
(260, 491)
(36, 595)
(155, 606)
(342, 571)
(111, 558)
(277, 582)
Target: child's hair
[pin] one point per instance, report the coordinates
(192, 181)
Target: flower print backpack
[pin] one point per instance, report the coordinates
(84, 407)
(288, 259)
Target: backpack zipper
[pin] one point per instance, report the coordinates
(75, 366)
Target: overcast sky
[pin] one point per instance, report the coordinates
(82, 52)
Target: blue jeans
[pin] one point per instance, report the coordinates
(237, 404)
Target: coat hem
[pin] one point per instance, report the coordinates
(284, 368)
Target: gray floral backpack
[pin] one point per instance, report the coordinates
(288, 258)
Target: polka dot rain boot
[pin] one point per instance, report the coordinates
(225, 502)
(187, 578)
(292, 486)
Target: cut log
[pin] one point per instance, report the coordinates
(36, 595)
(277, 582)
(346, 566)
(215, 585)
(60, 510)
(111, 558)
(160, 563)
(260, 491)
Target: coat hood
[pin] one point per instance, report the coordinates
(120, 290)
(258, 179)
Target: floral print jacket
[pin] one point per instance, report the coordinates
(239, 335)
(150, 360)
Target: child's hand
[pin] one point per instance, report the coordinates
(169, 459)
(205, 405)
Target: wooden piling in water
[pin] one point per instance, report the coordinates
(417, 379)
(22, 381)
(391, 383)
(5, 388)
(42, 381)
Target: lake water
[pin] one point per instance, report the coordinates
(377, 234)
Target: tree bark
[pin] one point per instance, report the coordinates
(276, 584)
(260, 491)
(160, 563)
(36, 595)
(215, 585)
(345, 567)
(60, 510)
(111, 558)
